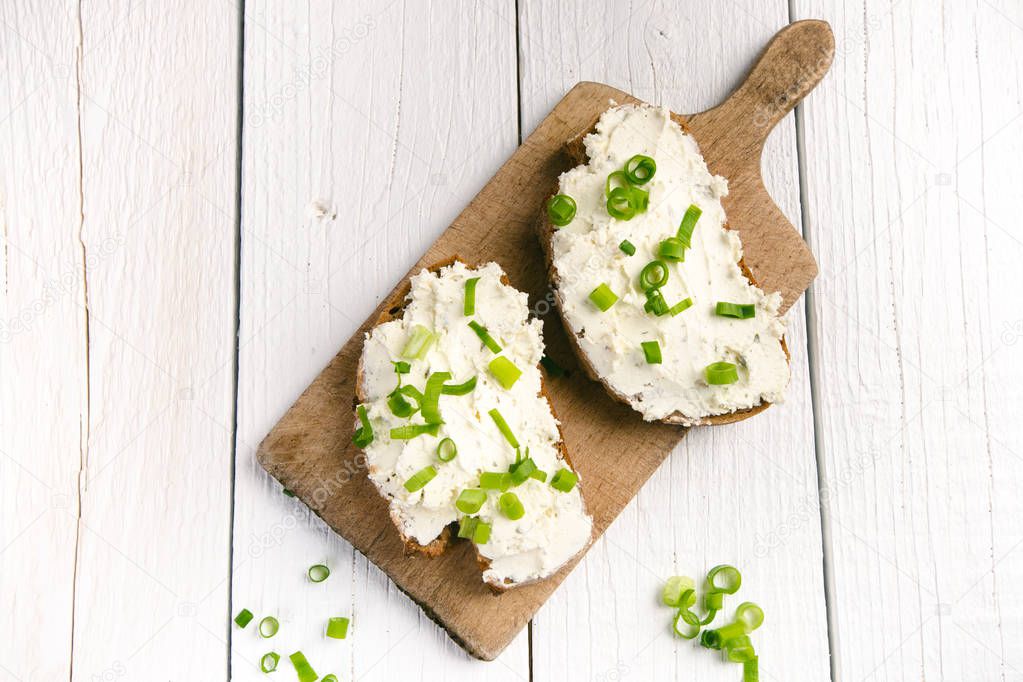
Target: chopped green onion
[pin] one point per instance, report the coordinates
(410, 431)
(627, 248)
(728, 632)
(412, 392)
(553, 368)
(302, 667)
(505, 371)
(522, 470)
(639, 169)
(620, 203)
(714, 600)
(268, 627)
(672, 249)
(751, 670)
(684, 304)
(671, 595)
(655, 303)
(495, 480)
(269, 662)
(564, 480)
(470, 500)
(503, 427)
(446, 450)
(401, 367)
(688, 224)
(459, 389)
(469, 307)
(485, 337)
(730, 582)
(363, 436)
(652, 352)
(688, 632)
(288, 493)
(750, 614)
(539, 475)
(685, 603)
(561, 209)
(337, 628)
(710, 639)
(511, 506)
(742, 311)
(318, 573)
(430, 407)
(739, 649)
(419, 342)
(603, 297)
(614, 181)
(329, 678)
(475, 529)
(467, 526)
(654, 275)
(640, 199)
(398, 406)
(481, 534)
(419, 479)
(720, 373)
(243, 618)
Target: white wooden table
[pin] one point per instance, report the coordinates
(200, 201)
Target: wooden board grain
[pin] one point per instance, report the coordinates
(310, 449)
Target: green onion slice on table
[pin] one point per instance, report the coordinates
(561, 209)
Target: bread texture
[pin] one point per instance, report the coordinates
(393, 310)
(575, 153)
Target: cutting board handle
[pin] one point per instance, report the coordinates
(790, 67)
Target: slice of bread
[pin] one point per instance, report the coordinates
(394, 311)
(576, 154)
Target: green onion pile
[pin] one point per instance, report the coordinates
(732, 639)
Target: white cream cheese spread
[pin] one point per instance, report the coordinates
(554, 526)
(586, 253)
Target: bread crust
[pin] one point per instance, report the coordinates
(575, 153)
(393, 310)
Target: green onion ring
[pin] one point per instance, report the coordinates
(511, 506)
(750, 614)
(655, 303)
(687, 633)
(620, 203)
(446, 450)
(505, 371)
(268, 627)
(318, 573)
(741, 311)
(561, 209)
(470, 500)
(640, 199)
(674, 588)
(672, 249)
(732, 579)
(639, 169)
(627, 247)
(654, 275)
(268, 663)
(564, 480)
(652, 352)
(721, 373)
(603, 297)
(614, 181)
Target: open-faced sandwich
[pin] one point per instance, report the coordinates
(458, 434)
(650, 281)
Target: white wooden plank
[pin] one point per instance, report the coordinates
(367, 128)
(912, 201)
(157, 98)
(743, 494)
(42, 340)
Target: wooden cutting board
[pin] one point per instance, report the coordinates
(310, 450)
